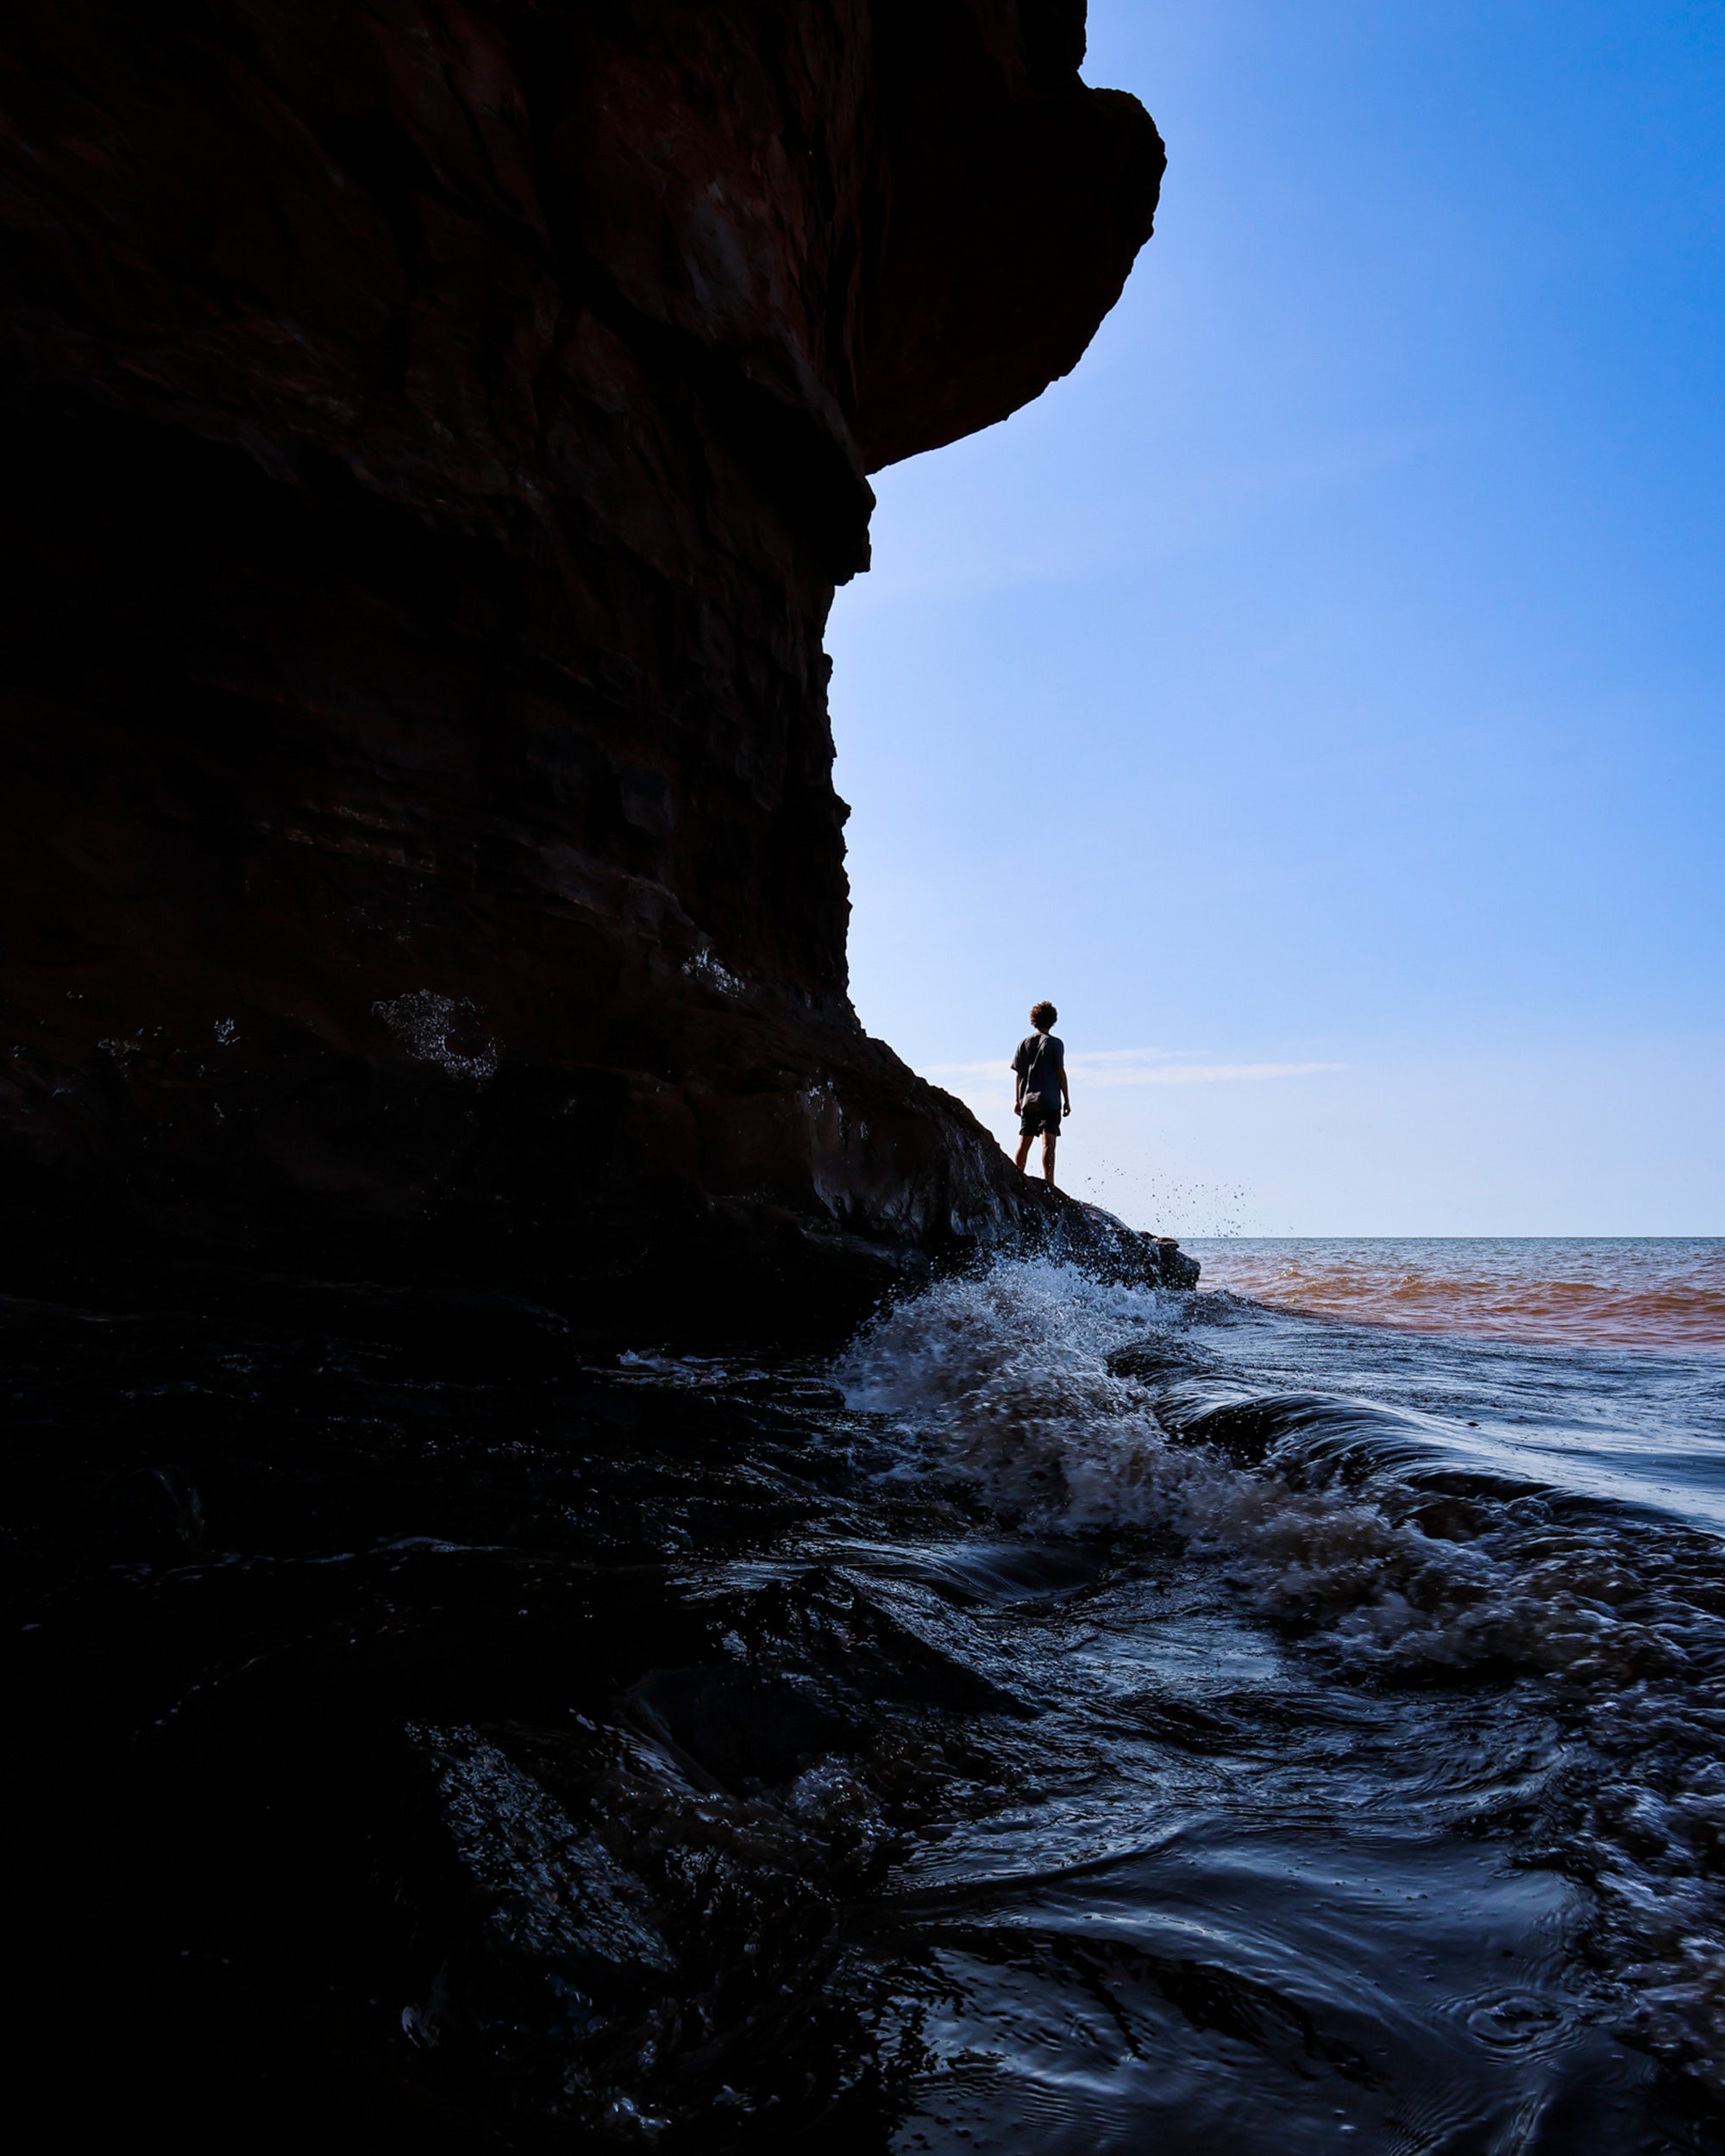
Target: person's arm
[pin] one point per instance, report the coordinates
(1017, 1081)
(1066, 1090)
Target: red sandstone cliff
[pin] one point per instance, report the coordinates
(433, 436)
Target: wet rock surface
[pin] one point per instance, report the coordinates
(267, 1745)
(433, 436)
(479, 1735)
(414, 1748)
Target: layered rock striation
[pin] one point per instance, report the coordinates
(434, 434)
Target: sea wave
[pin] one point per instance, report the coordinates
(1384, 1540)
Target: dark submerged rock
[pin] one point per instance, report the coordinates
(433, 436)
(401, 1757)
(546, 1931)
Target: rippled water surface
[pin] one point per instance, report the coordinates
(1651, 1292)
(1401, 1797)
(1073, 1719)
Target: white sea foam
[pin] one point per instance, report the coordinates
(1005, 1381)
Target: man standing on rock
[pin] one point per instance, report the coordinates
(1040, 1068)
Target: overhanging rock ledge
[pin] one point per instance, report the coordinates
(434, 434)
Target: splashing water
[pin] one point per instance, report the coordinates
(1100, 1720)
(1391, 1538)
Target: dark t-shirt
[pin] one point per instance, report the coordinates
(1040, 1062)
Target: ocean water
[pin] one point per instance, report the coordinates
(1376, 1799)
(1606, 1292)
(1281, 1719)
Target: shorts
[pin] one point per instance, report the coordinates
(1039, 1115)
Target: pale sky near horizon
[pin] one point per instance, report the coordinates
(1318, 694)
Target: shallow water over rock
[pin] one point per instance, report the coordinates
(1052, 1726)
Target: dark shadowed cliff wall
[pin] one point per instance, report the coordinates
(432, 437)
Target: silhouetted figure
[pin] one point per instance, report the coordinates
(1040, 1068)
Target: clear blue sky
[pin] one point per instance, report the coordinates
(1319, 693)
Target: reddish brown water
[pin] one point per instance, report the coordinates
(1613, 1292)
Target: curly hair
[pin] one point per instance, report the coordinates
(1042, 1015)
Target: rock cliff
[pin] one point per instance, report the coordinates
(434, 434)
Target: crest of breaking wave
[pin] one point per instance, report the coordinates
(1010, 1380)
(1002, 1378)
(1026, 1381)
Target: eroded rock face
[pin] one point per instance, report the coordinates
(433, 436)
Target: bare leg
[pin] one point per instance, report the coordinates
(1023, 1154)
(1048, 1157)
